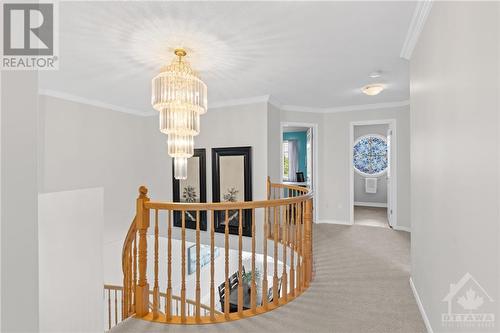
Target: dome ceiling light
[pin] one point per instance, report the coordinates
(373, 89)
(180, 96)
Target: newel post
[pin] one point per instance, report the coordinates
(142, 225)
(308, 219)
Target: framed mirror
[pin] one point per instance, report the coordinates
(232, 182)
(192, 190)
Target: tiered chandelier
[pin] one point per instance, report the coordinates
(181, 97)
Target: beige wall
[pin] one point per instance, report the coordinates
(455, 151)
(71, 256)
(19, 225)
(273, 143)
(85, 147)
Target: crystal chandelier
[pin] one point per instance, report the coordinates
(180, 96)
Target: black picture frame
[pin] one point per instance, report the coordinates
(219, 216)
(190, 220)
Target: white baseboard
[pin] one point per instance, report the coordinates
(421, 307)
(401, 228)
(370, 204)
(333, 222)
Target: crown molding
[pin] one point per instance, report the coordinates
(235, 102)
(360, 107)
(420, 15)
(92, 102)
(240, 101)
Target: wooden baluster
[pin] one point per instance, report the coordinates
(240, 263)
(268, 188)
(302, 248)
(226, 250)
(134, 272)
(284, 240)
(156, 290)
(131, 284)
(198, 288)
(168, 300)
(142, 288)
(126, 287)
(183, 267)
(298, 243)
(264, 273)
(292, 228)
(116, 308)
(308, 241)
(275, 275)
(212, 269)
(254, 286)
(109, 309)
(122, 304)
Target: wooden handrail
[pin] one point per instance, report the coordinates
(287, 214)
(178, 206)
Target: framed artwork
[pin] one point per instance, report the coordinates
(204, 257)
(192, 190)
(232, 181)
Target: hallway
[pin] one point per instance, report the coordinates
(360, 285)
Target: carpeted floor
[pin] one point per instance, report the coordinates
(371, 216)
(360, 285)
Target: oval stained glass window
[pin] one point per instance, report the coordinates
(370, 155)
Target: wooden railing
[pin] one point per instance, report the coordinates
(283, 221)
(113, 297)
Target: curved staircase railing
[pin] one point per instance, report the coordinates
(114, 303)
(282, 225)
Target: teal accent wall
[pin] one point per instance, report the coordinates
(301, 138)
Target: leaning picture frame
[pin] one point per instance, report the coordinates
(192, 190)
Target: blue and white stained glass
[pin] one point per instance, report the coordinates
(370, 155)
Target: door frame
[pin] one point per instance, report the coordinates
(315, 149)
(394, 166)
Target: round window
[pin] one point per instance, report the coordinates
(370, 155)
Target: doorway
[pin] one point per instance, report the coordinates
(299, 159)
(372, 171)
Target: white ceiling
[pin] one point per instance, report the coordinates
(304, 54)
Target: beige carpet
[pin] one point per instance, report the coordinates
(361, 285)
(371, 216)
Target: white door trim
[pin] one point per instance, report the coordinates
(315, 183)
(394, 166)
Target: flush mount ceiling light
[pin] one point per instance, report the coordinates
(373, 89)
(181, 97)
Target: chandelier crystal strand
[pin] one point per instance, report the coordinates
(180, 145)
(180, 96)
(180, 168)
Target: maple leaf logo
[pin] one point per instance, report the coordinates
(470, 301)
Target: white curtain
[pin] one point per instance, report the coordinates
(293, 160)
